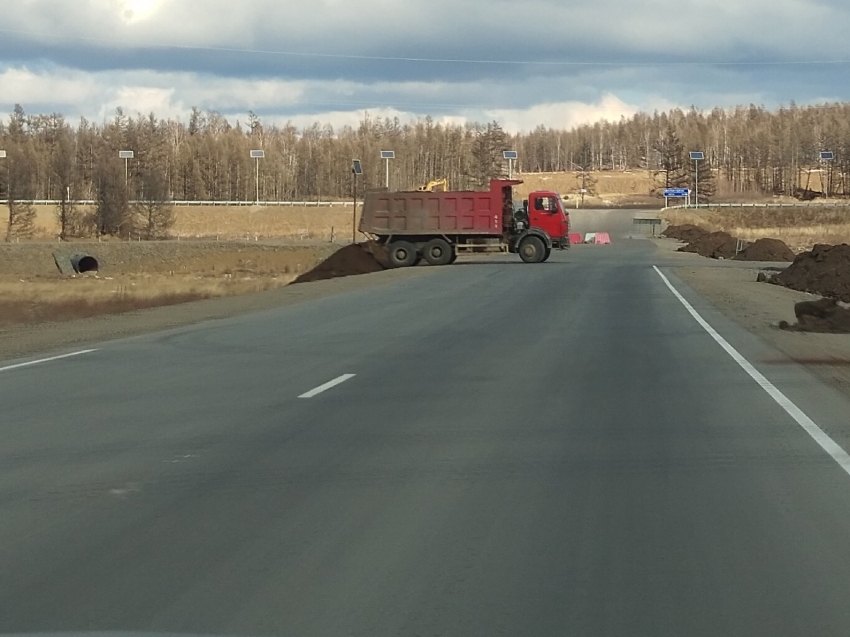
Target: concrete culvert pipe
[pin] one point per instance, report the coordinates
(83, 263)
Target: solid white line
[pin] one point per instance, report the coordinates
(827, 444)
(46, 360)
(327, 386)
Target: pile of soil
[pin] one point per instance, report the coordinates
(348, 261)
(825, 270)
(686, 232)
(715, 245)
(824, 316)
(766, 250)
(722, 245)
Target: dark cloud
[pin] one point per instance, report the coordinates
(646, 52)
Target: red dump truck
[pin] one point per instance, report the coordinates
(432, 225)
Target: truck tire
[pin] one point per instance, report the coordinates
(532, 249)
(438, 252)
(402, 254)
(547, 255)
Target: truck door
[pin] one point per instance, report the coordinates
(545, 212)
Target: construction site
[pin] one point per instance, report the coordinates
(226, 251)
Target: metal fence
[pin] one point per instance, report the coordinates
(801, 204)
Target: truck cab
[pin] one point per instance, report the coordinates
(546, 212)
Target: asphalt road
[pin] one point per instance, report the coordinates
(527, 450)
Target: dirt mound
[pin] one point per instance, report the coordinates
(824, 315)
(348, 261)
(766, 250)
(716, 245)
(686, 232)
(825, 270)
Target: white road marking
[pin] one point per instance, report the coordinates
(827, 444)
(327, 386)
(46, 360)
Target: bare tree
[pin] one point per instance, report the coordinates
(707, 182)
(487, 159)
(112, 213)
(20, 222)
(68, 215)
(154, 210)
(584, 163)
(671, 156)
(206, 158)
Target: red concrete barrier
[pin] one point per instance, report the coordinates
(602, 239)
(575, 238)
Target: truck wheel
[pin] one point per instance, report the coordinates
(532, 249)
(547, 255)
(437, 252)
(402, 254)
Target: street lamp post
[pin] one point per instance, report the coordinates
(511, 156)
(387, 155)
(3, 156)
(696, 157)
(826, 156)
(356, 170)
(257, 155)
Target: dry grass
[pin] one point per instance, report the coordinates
(39, 300)
(800, 228)
(240, 222)
(612, 186)
(322, 224)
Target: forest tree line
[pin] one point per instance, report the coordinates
(207, 158)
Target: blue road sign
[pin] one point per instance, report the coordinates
(827, 155)
(676, 192)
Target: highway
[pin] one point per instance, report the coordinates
(484, 449)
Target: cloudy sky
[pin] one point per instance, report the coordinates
(523, 63)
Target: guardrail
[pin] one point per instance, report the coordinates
(801, 204)
(283, 204)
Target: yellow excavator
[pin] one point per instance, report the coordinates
(438, 185)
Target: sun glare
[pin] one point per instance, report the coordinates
(138, 10)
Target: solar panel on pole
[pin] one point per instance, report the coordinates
(696, 156)
(826, 155)
(511, 156)
(257, 155)
(387, 155)
(126, 155)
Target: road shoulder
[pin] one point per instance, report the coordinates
(759, 307)
(36, 339)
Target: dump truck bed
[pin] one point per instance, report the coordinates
(438, 213)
